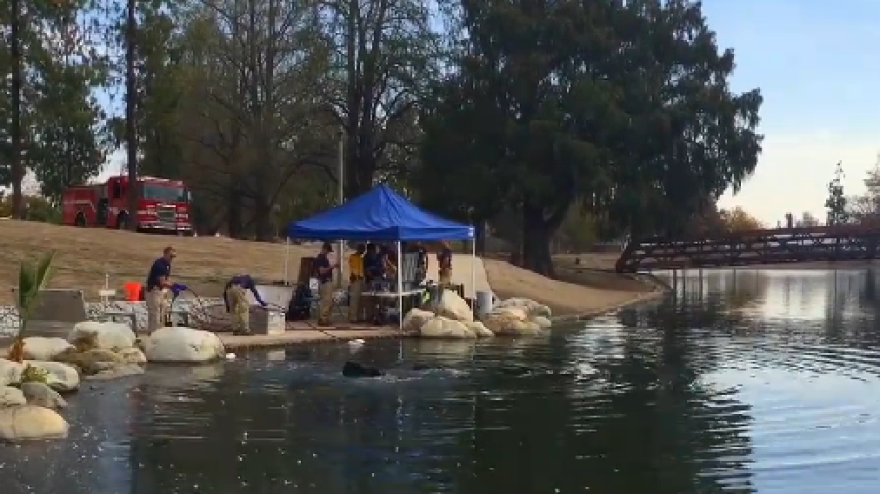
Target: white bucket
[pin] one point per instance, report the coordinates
(484, 303)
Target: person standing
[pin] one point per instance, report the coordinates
(235, 298)
(389, 263)
(324, 269)
(356, 286)
(422, 263)
(157, 288)
(444, 264)
(372, 263)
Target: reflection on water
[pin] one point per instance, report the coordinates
(738, 382)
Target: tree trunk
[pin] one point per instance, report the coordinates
(536, 242)
(233, 214)
(480, 237)
(130, 115)
(263, 220)
(18, 171)
(359, 171)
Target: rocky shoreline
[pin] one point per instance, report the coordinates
(95, 311)
(31, 391)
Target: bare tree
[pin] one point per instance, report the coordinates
(384, 53)
(255, 99)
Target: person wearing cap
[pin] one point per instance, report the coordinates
(324, 270)
(157, 288)
(444, 264)
(237, 304)
(422, 263)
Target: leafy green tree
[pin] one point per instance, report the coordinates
(50, 118)
(624, 106)
(159, 82)
(689, 138)
(72, 143)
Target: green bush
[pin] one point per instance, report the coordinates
(37, 209)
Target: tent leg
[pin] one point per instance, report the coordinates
(286, 258)
(340, 271)
(474, 275)
(399, 288)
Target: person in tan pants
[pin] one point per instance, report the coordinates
(157, 289)
(444, 264)
(324, 269)
(237, 304)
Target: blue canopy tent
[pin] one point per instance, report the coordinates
(381, 215)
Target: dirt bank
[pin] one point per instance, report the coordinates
(575, 293)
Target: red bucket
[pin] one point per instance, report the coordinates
(132, 291)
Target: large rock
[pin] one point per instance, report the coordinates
(104, 335)
(451, 306)
(518, 313)
(29, 422)
(91, 361)
(533, 308)
(42, 395)
(505, 324)
(542, 322)
(415, 319)
(10, 372)
(524, 328)
(40, 348)
(133, 356)
(11, 397)
(442, 327)
(183, 345)
(58, 376)
(499, 321)
(479, 329)
(117, 372)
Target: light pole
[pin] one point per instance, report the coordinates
(340, 174)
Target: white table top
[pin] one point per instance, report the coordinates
(393, 294)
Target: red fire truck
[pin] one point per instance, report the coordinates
(163, 207)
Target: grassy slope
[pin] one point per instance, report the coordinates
(84, 255)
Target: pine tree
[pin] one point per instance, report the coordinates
(836, 202)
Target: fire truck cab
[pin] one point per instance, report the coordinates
(162, 208)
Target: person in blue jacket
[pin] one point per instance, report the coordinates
(235, 297)
(155, 291)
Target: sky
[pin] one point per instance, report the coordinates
(814, 62)
(816, 65)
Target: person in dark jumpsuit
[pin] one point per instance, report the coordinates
(235, 297)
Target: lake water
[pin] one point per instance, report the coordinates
(763, 382)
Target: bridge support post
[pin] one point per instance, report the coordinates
(700, 278)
